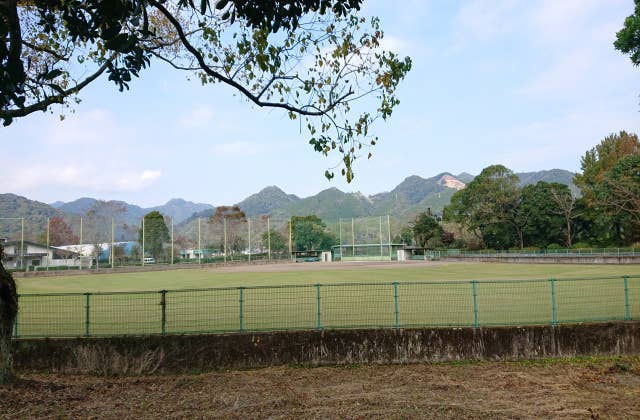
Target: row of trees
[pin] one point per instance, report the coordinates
(500, 214)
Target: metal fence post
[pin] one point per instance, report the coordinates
(86, 314)
(163, 307)
(241, 303)
(395, 299)
(15, 322)
(554, 315)
(627, 313)
(319, 317)
(474, 286)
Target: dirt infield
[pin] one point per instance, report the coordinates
(324, 266)
(579, 388)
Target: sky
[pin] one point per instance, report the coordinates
(530, 84)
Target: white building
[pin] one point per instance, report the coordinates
(35, 255)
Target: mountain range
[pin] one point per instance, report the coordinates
(412, 196)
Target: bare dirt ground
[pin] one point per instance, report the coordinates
(322, 266)
(580, 388)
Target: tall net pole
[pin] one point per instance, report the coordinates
(340, 235)
(381, 253)
(172, 241)
(142, 241)
(224, 221)
(111, 254)
(22, 243)
(353, 238)
(199, 242)
(389, 235)
(48, 237)
(290, 238)
(81, 248)
(269, 237)
(249, 236)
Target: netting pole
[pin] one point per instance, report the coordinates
(353, 238)
(48, 238)
(224, 228)
(199, 241)
(15, 321)
(389, 236)
(474, 286)
(290, 238)
(249, 236)
(241, 304)
(163, 308)
(380, 235)
(172, 250)
(22, 243)
(86, 314)
(113, 260)
(395, 299)
(554, 319)
(81, 250)
(318, 319)
(269, 237)
(340, 234)
(142, 256)
(627, 313)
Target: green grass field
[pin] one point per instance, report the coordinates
(426, 295)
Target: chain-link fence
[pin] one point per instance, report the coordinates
(365, 305)
(94, 242)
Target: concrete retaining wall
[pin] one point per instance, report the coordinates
(137, 269)
(550, 259)
(118, 355)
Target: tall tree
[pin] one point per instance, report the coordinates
(544, 225)
(566, 207)
(425, 227)
(156, 234)
(486, 206)
(59, 233)
(233, 238)
(275, 239)
(600, 180)
(311, 233)
(603, 157)
(313, 59)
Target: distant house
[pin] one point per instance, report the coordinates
(37, 255)
(193, 254)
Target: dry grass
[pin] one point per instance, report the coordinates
(582, 388)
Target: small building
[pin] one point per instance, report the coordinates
(19, 254)
(195, 254)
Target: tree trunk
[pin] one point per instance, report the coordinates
(8, 313)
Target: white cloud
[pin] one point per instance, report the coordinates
(107, 178)
(237, 149)
(198, 116)
(482, 20)
(92, 127)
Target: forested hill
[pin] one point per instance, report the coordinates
(413, 195)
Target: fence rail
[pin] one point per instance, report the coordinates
(472, 303)
(566, 252)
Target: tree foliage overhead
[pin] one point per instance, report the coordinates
(628, 38)
(315, 59)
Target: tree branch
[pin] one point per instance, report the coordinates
(211, 72)
(56, 99)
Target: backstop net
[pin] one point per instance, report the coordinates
(365, 239)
